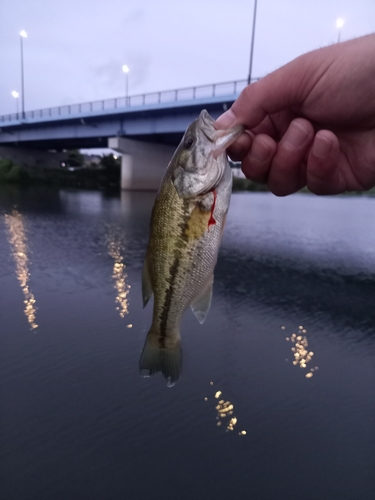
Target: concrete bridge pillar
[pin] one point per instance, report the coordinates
(143, 164)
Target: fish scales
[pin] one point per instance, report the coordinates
(179, 255)
(186, 228)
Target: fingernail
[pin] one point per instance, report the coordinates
(322, 146)
(260, 151)
(225, 120)
(296, 136)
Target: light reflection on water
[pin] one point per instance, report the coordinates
(302, 355)
(225, 412)
(18, 241)
(118, 274)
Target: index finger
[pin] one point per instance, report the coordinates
(279, 90)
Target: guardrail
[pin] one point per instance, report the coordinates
(176, 95)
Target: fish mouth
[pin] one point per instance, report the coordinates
(225, 138)
(220, 139)
(192, 180)
(206, 125)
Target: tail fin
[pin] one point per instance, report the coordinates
(155, 358)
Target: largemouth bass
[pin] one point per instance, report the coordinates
(187, 225)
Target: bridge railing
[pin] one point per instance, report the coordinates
(166, 96)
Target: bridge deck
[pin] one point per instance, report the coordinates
(156, 117)
(152, 100)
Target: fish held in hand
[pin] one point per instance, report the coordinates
(187, 225)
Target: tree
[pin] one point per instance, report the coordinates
(75, 158)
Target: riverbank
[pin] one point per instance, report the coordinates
(243, 184)
(107, 175)
(94, 177)
(90, 177)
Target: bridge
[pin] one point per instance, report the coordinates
(144, 128)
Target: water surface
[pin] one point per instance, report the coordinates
(78, 422)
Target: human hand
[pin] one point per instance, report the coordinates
(311, 122)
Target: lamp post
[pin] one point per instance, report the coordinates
(23, 35)
(125, 70)
(339, 24)
(252, 42)
(15, 94)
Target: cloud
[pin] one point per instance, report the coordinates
(109, 74)
(135, 16)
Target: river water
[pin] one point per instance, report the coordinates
(276, 398)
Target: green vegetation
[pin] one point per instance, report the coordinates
(102, 176)
(75, 158)
(240, 184)
(111, 162)
(10, 173)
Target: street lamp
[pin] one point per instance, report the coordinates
(23, 35)
(126, 70)
(15, 94)
(252, 42)
(339, 24)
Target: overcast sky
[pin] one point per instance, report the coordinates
(76, 48)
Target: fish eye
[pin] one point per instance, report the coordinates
(189, 142)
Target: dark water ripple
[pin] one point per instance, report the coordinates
(76, 419)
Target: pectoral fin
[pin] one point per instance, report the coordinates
(147, 290)
(201, 305)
